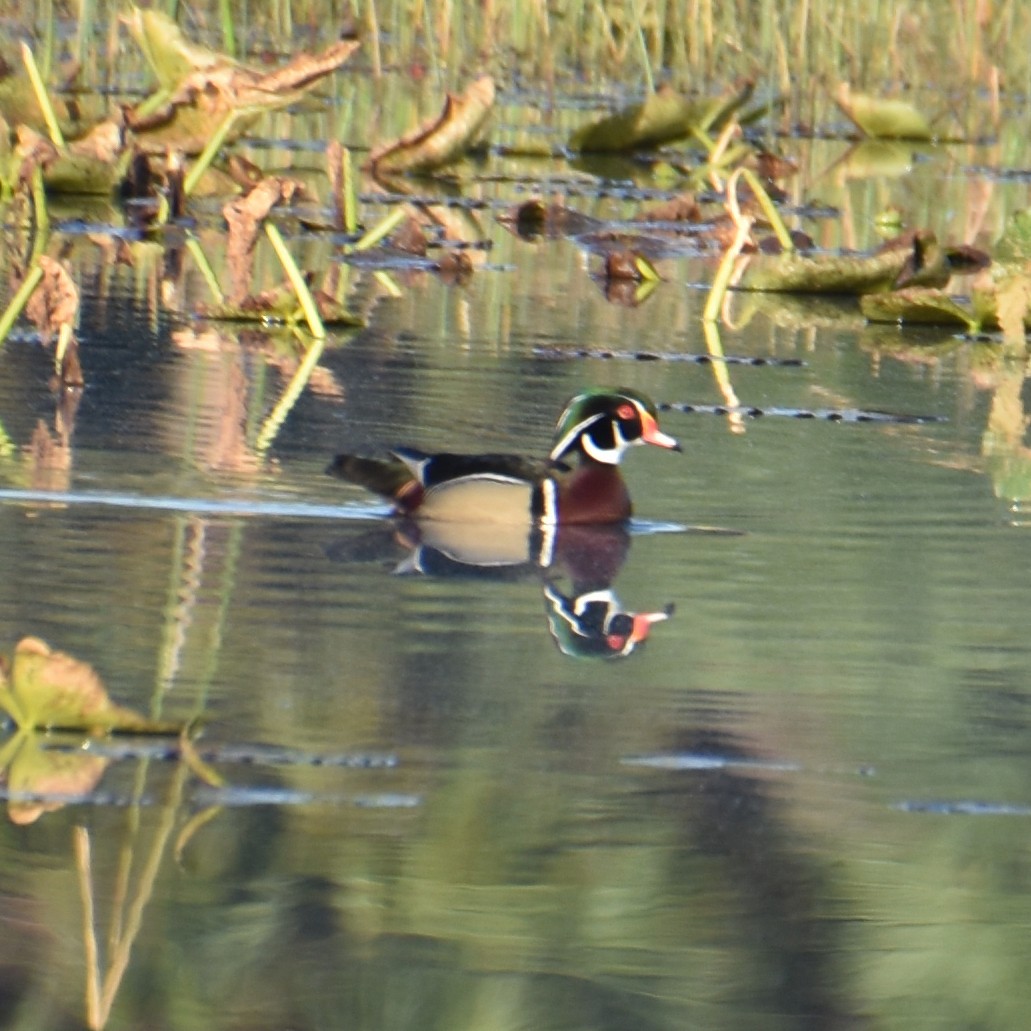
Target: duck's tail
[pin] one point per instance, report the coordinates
(388, 477)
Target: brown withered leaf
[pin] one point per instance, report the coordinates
(246, 174)
(772, 166)
(534, 218)
(683, 208)
(232, 87)
(442, 139)
(32, 150)
(455, 266)
(55, 301)
(623, 264)
(244, 216)
(410, 238)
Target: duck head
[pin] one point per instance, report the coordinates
(601, 423)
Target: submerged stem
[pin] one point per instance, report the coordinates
(293, 390)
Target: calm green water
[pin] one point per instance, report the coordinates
(802, 803)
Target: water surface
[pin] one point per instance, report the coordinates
(801, 803)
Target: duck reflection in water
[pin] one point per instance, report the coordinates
(505, 514)
(576, 567)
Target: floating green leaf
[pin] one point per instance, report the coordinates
(914, 259)
(663, 117)
(883, 118)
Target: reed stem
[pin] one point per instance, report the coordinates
(293, 273)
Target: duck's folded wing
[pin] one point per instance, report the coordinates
(446, 467)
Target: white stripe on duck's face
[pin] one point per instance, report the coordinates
(590, 433)
(609, 455)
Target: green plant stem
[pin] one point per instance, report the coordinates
(721, 373)
(207, 155)
(228, 32)
(769, 210)
(56, 136)
(19, 300)
(642, 43)
(39, 206)
(382, 229)
(350, 199)
(293, 273)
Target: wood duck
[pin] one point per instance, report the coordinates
(578, 483)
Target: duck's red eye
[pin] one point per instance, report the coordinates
(625, 412)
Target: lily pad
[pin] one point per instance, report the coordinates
(441, 140)
(49, 689)
(922, 306)
(663, 117)
(94, 165)
(913, 259)
(883, 118)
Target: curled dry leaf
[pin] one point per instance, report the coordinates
(244, 216)
(440, 140)
(683, 208)
(48, 689)
(204, 87)
(534, 218)
(627, 264)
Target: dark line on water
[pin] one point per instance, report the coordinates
(563, 353)
(823, 414)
